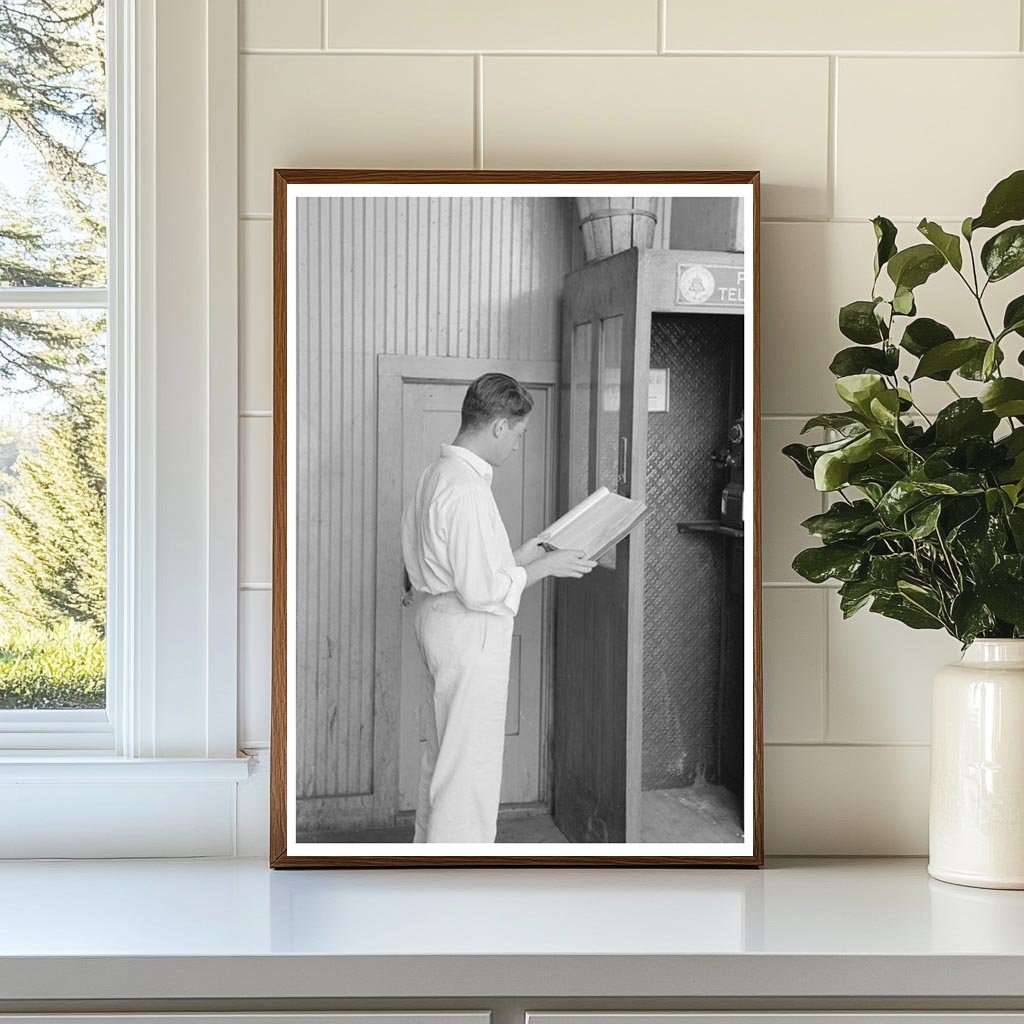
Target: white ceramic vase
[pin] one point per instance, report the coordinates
(976, 810)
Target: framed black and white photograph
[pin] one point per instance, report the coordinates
(516, 532)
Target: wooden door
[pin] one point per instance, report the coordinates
(598, 667)
(421, 400)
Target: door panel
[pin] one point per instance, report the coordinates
(430, 417)
(594, 687)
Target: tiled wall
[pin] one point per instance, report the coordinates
(906, 109)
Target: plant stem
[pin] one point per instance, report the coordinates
(974, 269)
(953, 567)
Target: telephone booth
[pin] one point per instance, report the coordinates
(648, 686)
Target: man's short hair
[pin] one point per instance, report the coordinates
(492, 396)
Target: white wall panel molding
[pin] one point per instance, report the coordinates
(332, 110)
(848, 799)
(391, 51)
(847, 758)
(805, 25)
(954, 97)
(629, 25)
(753, 113)
(260, 23)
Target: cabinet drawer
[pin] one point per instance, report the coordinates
(851, 1017)
(355, 1017)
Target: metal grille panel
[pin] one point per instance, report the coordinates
(684, 572)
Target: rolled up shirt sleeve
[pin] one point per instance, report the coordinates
(482, 581)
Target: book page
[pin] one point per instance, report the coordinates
(596, 524)
(574, 513)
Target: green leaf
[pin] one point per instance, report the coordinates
(841, 421)
(903, 302)
(990, 360)
(982, 538)
(887, 570)
(849, 361)
(872, 491)
(947, 244)
(994, 499)
(1014, 441)
(885, 409)
(966, 417)
(857, 321)
(964, 482)
(970, 617)
(831, 471)
(935, 466)
(1017, 325)
(1013, 317)
(974, 368)
(978, 453)
(905, 494)
(858, 389)
(885, 236)
(950, 355)
(1005, 598)
(840, 561)
(923, 335)
(1012, 447)
(1015, 492)
(864, 446)
(913, 266)
(925, 518)
(842, 521)
(799, 455)
(1005, 202)
(1004, 397)
(899, 608)
(854, 594)
(965, 228)
(1003, 254)
(818, 450)
(1015, 519)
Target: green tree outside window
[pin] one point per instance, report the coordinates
(53, 402)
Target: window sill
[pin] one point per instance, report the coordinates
(79, 767)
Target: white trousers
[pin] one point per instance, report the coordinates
(467, 655)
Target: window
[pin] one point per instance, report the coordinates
(53, 370)
(128, 274)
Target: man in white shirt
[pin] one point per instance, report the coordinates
(458, 556)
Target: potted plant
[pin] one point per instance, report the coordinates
(926, 521)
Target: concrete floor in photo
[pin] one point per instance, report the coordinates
(701, 813)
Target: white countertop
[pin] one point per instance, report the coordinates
(137, 929)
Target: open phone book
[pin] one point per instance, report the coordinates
(596, 524)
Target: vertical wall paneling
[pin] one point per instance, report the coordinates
(439, 277)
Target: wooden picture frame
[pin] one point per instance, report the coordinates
(393, 290)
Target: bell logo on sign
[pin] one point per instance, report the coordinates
(699, 284)
(696, 284)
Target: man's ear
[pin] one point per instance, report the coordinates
(499, 426)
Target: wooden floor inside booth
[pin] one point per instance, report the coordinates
(701, 813)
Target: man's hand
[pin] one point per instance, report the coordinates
(529, 552)
(567, 564)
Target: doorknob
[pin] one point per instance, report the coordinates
(623, 460)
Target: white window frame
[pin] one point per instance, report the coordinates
(172, 371)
